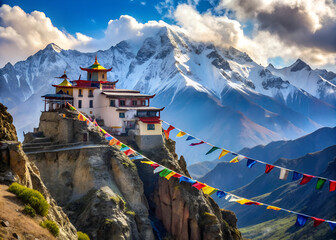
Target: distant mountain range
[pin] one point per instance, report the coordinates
(219, 94)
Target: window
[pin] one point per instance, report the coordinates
(90, 93)
(150, 127)
(91, 103)
(112, 103)
(68, 92)
(121, 115)
(142, 114)
(134, 103)
(122, 103)
(103, 75)
(80, 93)
(151, 113)
(79, 103)
(143, 103)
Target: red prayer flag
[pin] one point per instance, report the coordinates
(194, 144)
(317, 221)
(155, 165)
(306, 178)
(129, 152)
(168, 131)
(268, 168)
(332, 185)
(252, 203)
(176, 175)
(199, 185)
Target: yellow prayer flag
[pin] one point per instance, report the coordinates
(235, 160)
(148, 162)
(223, 153)
(273, 208)
(180, 134)
(208, 189)
(170, 175)
(103, 131)
(242, 201)
(63, 115)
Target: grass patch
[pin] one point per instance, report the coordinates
(82, 236)
(51, 226)
(118, 200)
(29, 210)
(30, 196)
(129, 212)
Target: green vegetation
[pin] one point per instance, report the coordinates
(208, 219)
(82, 236)
(29, 210)
(129, 212)
(30, 196)
(51, 226)
(118, 200)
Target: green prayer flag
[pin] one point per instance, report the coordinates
(320, 183)
(165, 172)
(212, 150)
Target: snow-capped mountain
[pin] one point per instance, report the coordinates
(218, 94)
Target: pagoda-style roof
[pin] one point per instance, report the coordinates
(57, 96)
(64, 76)
(96, 67)
(65, 83)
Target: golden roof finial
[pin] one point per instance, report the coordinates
(96, 61)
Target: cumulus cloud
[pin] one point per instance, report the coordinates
(22, 34)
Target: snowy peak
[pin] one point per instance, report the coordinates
(52, 47)
(299, 65)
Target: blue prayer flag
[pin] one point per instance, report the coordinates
(109, 138)
(250, 163)
(301, 220)
(220, 194)
(136, 157)
(296, 176)
(332, 225)
(190, 138)
(186, 179)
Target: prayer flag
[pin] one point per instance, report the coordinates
(268, 168)
(250, 163)
(63, 115)
(170, 175)
(234, 160)
(223, 153)
(220, 194)
(108, 137)
(253, 203)
(283, 174)
(158, 169)
(165, 172)
(176, 175)
(273, 208)
(242, 201)
(320, 183)
(186, 179)
(136, 157)
(208, 190)
(124, 148)
(317, 221)
(103, 131)
(332, 185)
(296, 176)
(155, 165)
(212, 150)
(180, 134)
(199, 143)
(148, 162)
(190, 138)
(199, 185)
(301, 220)
(332, 225)
(113, 141)
(233, 198)
(306, 178)
(168, 131)
(81, 117)
(129, 152)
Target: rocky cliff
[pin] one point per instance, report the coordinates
(15, 166)
(110, 197)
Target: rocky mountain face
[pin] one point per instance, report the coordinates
(217, 176)
(208, 91)
(15, 166)
(110, 197)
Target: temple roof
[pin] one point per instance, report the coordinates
(127, 94)
(96, 67)
(65, 83)
(57, 96)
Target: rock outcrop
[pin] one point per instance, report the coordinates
(15, 166)
(108, 196)
(7, 129)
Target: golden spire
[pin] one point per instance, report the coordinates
(96, 61)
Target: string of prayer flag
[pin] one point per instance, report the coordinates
(320, 183)
(168, 131)
(212, 150)
(195, 144)
(168, 173)
(296, 176)
(180, 134)
(190, 138)
(223, 153)
(306, 178)
(250, 163)
(283, 174)
(268, 168)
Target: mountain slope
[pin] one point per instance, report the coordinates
(183, 73)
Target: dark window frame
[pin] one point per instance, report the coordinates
(112, 101)
(121, 115)
(79, 103)
(122, 103)
(91, 104)
(150, 126)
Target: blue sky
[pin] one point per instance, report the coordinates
(273, 31)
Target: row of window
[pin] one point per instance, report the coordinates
(123, 103)
(80, 93)
(103, 76)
